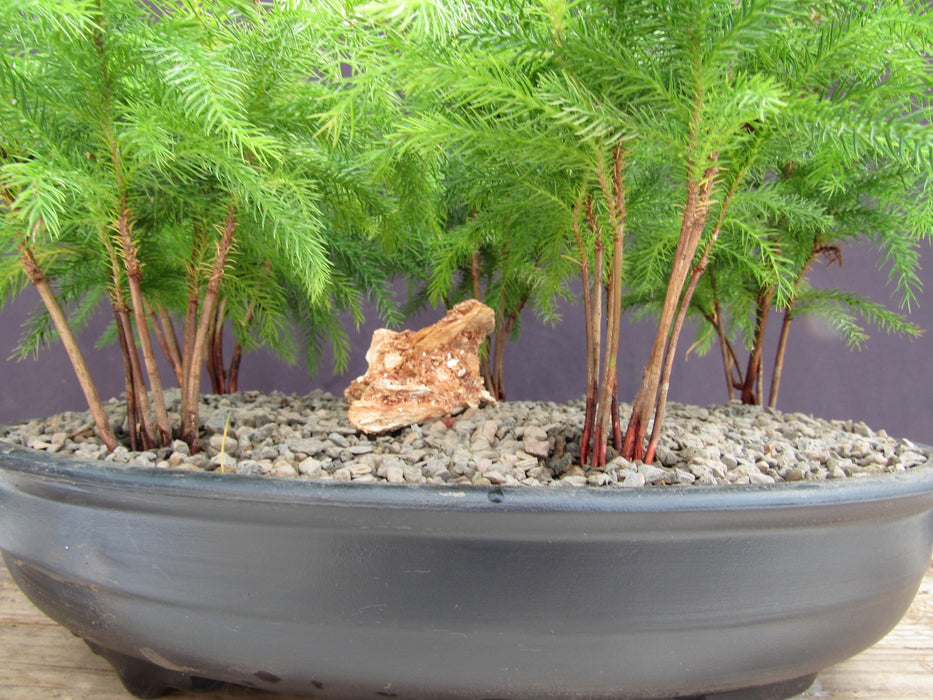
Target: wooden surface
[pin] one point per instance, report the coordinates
(41, 661)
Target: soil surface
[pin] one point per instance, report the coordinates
(511, 443)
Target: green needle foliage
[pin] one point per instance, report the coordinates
(745, 138)
(271, 163)
(174, 160)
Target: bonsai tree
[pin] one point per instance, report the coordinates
(813, 224)
(661, 129)
(173, 161)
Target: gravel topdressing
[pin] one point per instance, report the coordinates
(511, 443)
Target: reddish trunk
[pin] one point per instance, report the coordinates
(750, 393)
(589, 330)
(191, 388)
(614, 192)
(215, 352)
(646, 402)
(596, 321)
(233, 375)
(779, 358)
(134, 278)
(165, 334)
(132, 434)
(501, 339)
(140, 421)
(684, 307)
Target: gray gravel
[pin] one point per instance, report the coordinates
(510, 444)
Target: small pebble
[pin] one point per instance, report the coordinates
(509, 444)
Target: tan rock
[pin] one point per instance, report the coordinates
(417, 375)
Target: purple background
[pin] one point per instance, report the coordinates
(887, 384)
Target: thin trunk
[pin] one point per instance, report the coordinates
(730, 361)
(70, 342)
(749, 393)
(693, 223)
(165, 334)
(665, 383)
(141, 418)
(834, 258)
(191, 323)
(134, 279)
(596, 313)
(498, 356)
(475, 276)
(485, 365)
(191, 388)
(501, 340)
(215, 350)
(589, 415)
(132, 434)
(138, 418)
(724, 345)
(236, 357)
(233, 375)
(759, 391)
(779, 358)
(614, 192)
(695, 274)
(616, 420)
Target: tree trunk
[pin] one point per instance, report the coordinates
(191, 388)
(498, 341)
(614, 192)
(779, 358)
(141, 419)
(695, 274)
(131, 433)
(134, 279)
(750, 394)
(589, 331)
(695, 213)
(215, 350)
(596, 321)
(165, 334)
(70, 342)
(725, 347)
(233, 375)
(236, 357)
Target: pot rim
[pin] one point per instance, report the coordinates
(86, 475)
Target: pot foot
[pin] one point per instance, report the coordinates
(144, 679)
(772, 691)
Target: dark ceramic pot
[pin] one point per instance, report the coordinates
(367, 591)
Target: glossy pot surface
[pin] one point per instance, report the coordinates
(363, 591)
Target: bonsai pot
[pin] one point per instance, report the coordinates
(181, 579)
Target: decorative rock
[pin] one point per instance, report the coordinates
(414, 376)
